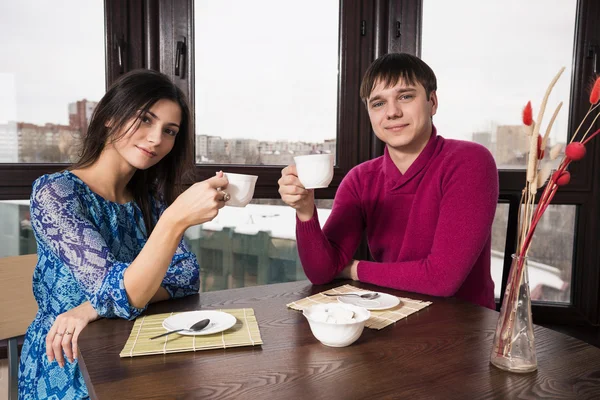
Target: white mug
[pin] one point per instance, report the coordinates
(240, 188)
(315, 170)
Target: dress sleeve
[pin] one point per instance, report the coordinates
(60, 223)
(183, 275)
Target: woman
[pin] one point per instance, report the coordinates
(109, 230)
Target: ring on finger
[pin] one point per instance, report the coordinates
(68, 333)
(226, 196)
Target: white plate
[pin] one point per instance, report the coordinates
(219, 322)
(383, 302)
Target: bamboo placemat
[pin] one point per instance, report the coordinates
(244, 333)
(378, 320)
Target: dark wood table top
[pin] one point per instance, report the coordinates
(440, 352)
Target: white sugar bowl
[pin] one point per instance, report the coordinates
(336, 324)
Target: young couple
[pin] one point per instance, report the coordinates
(110, 229)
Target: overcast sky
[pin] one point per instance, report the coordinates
(287, 91)
(488, 67)
(50, 56)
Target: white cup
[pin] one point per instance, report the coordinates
(240, 188)
(315, 170)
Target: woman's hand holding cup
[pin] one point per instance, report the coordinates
(201, 202)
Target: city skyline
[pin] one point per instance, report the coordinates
(27, 142)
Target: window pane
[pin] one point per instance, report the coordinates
(248, 246)
(266, 76)
(52, 71)
(254, 245)
(491, 63)
(16, 235)
(498, 244)
(550, 255)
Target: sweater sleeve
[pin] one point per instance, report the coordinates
(325, 252)
(467, 208)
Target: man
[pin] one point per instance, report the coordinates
(427, 205)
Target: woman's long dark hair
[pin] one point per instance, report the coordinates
(126, 100)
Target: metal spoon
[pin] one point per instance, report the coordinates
(198, 326)
(367, 296)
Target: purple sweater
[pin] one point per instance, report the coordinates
(429, 230)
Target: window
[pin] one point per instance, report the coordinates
(489, 68)
(269, 80)
(499, 229)
(551, 255)
(254, 245)
(550, 258)
(272, 93)
(51, 77)
(16, 234)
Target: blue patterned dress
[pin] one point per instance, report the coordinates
(85, 243)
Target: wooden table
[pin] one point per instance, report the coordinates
(440, 352)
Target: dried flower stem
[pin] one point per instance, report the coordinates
(555, 151)
(545, 101)
(522, 230)
(591, 125)
(549, 128)
(544, 175)
(533, 150)
(531, 166)
(591, 137)
(592, 108)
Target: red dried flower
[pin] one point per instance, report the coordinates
(595, 93)
(575, 151)
(561, 178)
(540, 153)
(528, 114)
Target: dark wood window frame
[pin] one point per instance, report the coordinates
(144, 34)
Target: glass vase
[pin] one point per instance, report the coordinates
(514, 344)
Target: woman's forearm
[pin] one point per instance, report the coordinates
(160, 295)
(143, 277)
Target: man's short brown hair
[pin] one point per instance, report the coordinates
(392, 67)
